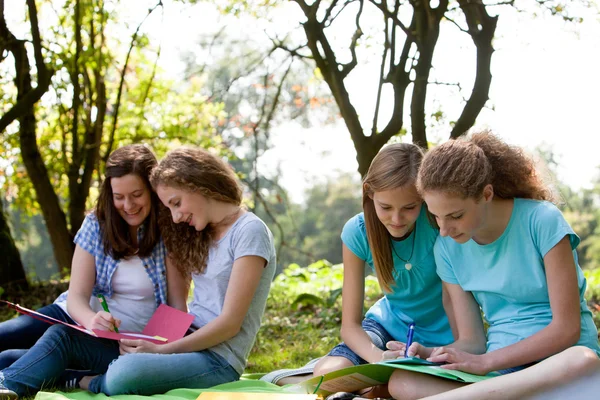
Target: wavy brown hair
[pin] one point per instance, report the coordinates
(135, 159)
(464, 167)
(197, 171)
(396, 165)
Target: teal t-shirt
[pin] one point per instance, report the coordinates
(417, 293)
(507, 277)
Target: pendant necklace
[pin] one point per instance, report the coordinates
(408, 266)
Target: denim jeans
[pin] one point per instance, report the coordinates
(379, 336)
(147, 374)
(59, 348)
(19, 334)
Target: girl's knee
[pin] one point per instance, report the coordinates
(582, 360)
(123, 375)
(56, 332)
(401, 386)
(331, 363)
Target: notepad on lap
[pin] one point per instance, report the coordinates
(412, 361)
(167, 324)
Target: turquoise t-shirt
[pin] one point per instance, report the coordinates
(507, 277)
(417, 293)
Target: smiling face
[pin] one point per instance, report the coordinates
(186, 207)
(398, 209)
(131, 198)
(460, 218)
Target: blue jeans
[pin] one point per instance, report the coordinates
(19, 334)
(59, 348)
(379, 336)
(147, 374)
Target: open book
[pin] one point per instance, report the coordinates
(167, 324)
(367, 375)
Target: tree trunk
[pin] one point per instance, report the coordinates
(24, 112)
(11, 267)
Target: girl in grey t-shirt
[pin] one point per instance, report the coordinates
(229, 254)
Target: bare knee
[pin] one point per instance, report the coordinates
(331, 363)
(581, 361)
(401, 386)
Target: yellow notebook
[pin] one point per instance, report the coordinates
(255, 396)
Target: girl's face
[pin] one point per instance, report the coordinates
(187, 207)
(398, 209)
(458, 218)
(131, 198)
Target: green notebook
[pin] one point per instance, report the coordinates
(367, 375)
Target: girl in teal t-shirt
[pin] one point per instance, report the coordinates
(395, 238)
(506, 250)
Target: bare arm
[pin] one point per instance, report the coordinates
(447, 303)
(465, 321)
(243, 283)
(178, 287)
(470, 333)
(83, 278)
(565, 328)
(353, 291)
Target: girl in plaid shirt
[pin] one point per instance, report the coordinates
(120, 254)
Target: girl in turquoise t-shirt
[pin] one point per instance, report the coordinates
(395, 238)
(506, 250)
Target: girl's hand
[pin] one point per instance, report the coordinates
(459, 360)
(127, 346)
(396, 349)
(104, 321)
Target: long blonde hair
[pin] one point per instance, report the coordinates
(465, 166)
(396, 165)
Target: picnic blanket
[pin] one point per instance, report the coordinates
(244, 385)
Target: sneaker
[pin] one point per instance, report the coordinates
(276, 376)
(70, 378)
(7, 394)
(341, 396)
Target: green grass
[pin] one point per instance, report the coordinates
(302, 318)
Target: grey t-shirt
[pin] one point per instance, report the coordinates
(248, 236)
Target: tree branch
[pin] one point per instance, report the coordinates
(115, 114)
(347, 68)
(8, 42)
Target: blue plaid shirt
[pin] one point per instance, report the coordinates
(89, 238)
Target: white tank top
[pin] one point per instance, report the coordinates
(133, 300)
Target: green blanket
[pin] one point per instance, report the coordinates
(348, 379)
(248, 386)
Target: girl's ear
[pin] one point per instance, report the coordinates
(488, 192)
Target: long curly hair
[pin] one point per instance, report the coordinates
(135, 159)
(396, 165)
(464, 167)
(197, 171)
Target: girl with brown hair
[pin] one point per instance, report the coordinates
(395, 238)
(230, 256)
(506, 249)
(119, 253)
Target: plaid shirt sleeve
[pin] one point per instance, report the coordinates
(88, 235)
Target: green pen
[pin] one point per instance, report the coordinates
(105, 307)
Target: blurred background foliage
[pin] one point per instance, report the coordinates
(95, 84)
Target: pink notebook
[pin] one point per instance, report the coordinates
(167, 324)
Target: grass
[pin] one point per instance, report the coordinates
(302, 317)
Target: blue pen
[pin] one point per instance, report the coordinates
(409, 338)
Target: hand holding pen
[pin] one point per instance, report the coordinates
(103, 319)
